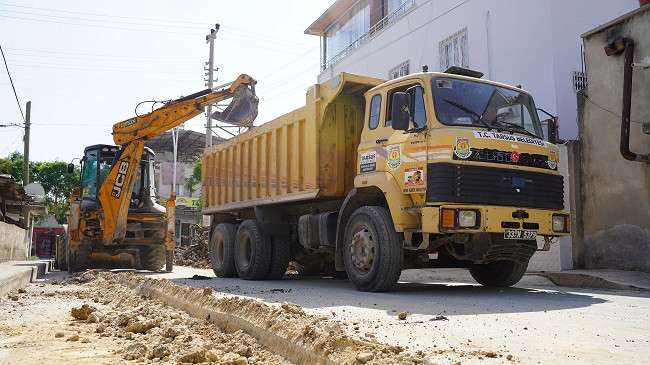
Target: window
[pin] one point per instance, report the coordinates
(375, 107)
(454, 51)
(478, 104)
(418, 113)
(89, 175)
(398, 71)
(347, 30)
(416, 107)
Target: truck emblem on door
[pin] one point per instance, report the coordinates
(119, 180)
(462, 149)
(394, 157)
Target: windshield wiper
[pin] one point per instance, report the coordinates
(478, 117)
(517, 128)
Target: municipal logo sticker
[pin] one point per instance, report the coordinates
(462, 149)
(552, 160)
(393, 157)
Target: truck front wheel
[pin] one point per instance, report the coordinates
(253, 251)
(372, 250)
(222, 250)
(499, 273)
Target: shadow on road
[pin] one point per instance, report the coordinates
(427, 298)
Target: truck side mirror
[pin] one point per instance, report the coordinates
(400, 115)
(70, 168)
(552, 130)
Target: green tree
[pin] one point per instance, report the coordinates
(194, 180)
(52, 175)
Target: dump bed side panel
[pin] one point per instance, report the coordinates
(273, 163)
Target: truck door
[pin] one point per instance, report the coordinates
(400, 153)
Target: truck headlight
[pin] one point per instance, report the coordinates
(467, 218)
(560, 223)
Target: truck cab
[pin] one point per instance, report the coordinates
(467, 174)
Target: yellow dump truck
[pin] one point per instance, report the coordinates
(371, 177)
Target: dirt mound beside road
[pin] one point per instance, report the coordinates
(284, 329)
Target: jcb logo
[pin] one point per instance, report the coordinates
(119, 180)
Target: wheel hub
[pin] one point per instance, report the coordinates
(362, 249)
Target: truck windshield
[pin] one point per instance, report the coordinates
(470, 103)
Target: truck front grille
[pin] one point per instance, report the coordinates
(493, 186)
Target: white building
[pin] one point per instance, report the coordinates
(533, 43)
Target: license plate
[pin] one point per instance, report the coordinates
(519, 234)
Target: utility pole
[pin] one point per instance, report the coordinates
(26, 144)
(210, 82)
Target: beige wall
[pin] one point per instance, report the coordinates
(615, 192)
(12, 242)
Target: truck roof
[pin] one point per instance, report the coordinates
(430, 75)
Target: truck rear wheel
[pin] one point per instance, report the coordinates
(253, 251)
(279, 258)
(499, 273)
(222, 250)
(372, 250)
(152, 258)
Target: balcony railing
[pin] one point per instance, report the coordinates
(384, 23)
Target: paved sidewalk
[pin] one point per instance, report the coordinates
(601, 279)
(17, 274)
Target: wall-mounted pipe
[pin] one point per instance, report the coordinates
(626, 46)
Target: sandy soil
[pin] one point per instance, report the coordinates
(101, 322)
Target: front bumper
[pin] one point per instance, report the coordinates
(495, 219)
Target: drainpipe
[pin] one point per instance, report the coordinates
(626, 46)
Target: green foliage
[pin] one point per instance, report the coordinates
(195, 179)
(54, 177)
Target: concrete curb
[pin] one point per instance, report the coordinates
(581, 280)
(15, 277)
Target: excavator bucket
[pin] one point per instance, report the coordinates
(242, 110)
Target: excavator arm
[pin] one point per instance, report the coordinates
(115, 191)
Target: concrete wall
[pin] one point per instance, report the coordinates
(532, 43)
(615, 192)
(12, 242)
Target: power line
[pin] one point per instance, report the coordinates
(12, 83)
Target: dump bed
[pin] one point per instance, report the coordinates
(309, 153)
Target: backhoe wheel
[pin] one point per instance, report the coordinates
(279, 258)
(253, 251)
(152, 257)
(499, 273)
(169, 260)
(222, 250)
(372, 250)
(78, 259)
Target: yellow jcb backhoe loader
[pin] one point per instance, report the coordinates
(114, 219)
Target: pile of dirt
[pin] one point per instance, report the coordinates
(310, 335)
(150, 331)
(196, 254)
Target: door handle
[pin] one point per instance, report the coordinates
(381, 140)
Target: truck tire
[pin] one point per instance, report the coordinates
(499, 273)
(152, 258)
(279, 258)
(253, 251)
(372, 250)
(222, 250)
(78, 259)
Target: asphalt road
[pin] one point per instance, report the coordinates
(535, 322)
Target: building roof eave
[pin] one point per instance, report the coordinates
(334, 12)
